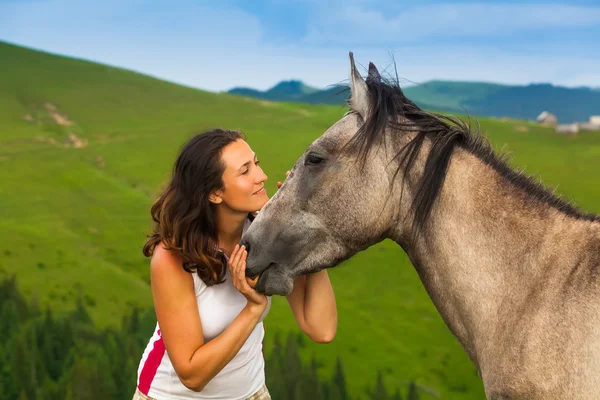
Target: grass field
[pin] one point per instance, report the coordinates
(74, 210)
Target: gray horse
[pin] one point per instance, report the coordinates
(512, 269)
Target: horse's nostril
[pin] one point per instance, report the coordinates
(246, 245)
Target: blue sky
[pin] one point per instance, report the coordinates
(221, 44)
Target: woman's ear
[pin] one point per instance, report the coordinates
(215, 197)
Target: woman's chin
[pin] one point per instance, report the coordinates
(261, 201)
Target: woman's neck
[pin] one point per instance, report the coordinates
(230, 225)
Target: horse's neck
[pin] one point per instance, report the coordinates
(484, 250)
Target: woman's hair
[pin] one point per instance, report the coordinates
(184, 218)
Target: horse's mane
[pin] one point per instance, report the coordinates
(390, 109)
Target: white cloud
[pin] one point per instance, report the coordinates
(356, 23)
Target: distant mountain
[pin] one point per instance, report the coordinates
(476, 98)
(295, 90)
(247, 92)
(333, 95)
(568, 104)
(284, 91)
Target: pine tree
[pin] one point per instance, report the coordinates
(10, 291)
(274, 371)
(80, 314)
(90, 377)
(34, 307)
(339, 379)
(309, 387)
(379, 392)
(51, 346)
(9, 387)
(48, 391)
(298, 391)
(413, 394)
(314, 391)
(10, 322)
(334, 393)
(28, 368)
(397, 395)
(293, 366)
(147, 322)
(325, 389)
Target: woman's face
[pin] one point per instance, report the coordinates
(243, 179)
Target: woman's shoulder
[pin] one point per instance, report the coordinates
(165, 262)
(167, 277)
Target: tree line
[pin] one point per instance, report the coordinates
(46, 356)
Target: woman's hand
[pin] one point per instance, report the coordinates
(237, 266)
(280, 183)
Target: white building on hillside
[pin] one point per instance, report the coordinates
(569, 129)
(592, 125)
(547, 118)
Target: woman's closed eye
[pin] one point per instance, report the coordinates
(248, 169)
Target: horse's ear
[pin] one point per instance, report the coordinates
(359, 97)
(373, 73)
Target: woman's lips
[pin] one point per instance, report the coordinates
(261, 191)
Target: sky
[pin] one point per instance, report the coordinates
(222, 44)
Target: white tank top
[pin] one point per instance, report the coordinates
(218, 305)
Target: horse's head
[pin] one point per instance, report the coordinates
(336, 201)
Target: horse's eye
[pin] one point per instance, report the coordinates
(313, 159)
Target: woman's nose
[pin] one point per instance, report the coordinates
(262, 177)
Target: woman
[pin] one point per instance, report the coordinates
(208, 338)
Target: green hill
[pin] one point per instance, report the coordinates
(84, 149)
(477, 98)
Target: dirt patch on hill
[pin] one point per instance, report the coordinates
(41, 139)
(76, 141)
(101, 138)
(48, 116)
(521, 128)
(100, 162)
(73, 141)
(60, 119)
(45, 113)
(265, 103)
(304, 112)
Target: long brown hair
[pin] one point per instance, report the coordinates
(184, 218)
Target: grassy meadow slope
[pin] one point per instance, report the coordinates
(75, 198)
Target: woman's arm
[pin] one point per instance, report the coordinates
(194, 361)
(313, 303)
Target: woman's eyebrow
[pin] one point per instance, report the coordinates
(247, 163)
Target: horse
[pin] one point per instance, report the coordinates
(512, 268)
